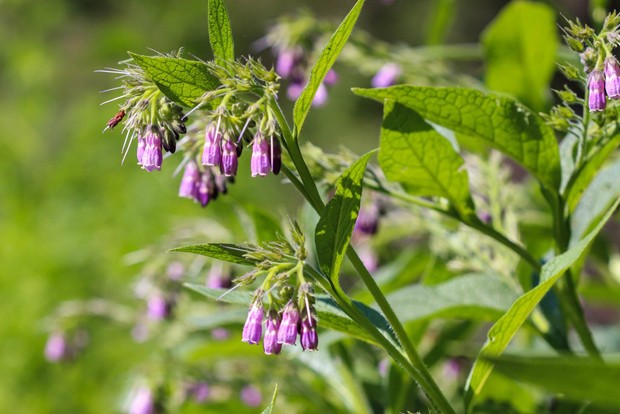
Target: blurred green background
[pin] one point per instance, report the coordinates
(69, 211)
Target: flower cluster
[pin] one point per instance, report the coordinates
(297, 317)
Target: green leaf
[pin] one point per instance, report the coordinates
(260, 226)
(231, 253)
(415, 155)
(602, 192)
(328, 56)
(520, 48)
(329, 314)
(581, 379)
(220, 33)
(584, 176)
(269, 408)
(334, 229)
(460, 297)
(499, 122)
(181, 80)
(505, 329)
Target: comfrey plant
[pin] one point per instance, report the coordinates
(483, 243)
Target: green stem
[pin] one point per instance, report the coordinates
(414, 364)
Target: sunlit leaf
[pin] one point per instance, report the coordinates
(220, 33)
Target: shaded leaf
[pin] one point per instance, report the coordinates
(602, 192)
(506, 327)
(231, 253)
(220, 33)
(328, 56)
(586, 173)
(334, 229)
(520, 48)
(499, 122)
(461, 297)
(582, 379)
(415, 155)
(181, 80)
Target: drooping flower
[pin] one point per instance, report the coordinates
(57, 348)
(286, 61)
(331, 77)
(229, 163)
(386, 76)
(308, 337)
(140, 150)
(612, 77)
(367, 222)
(158, 307)
(205, 189)
(143, 401)
(218, 278)
(596, 88)
(199, 391)
(250, 395)
(190, 181)
(152, 156)
(212, 152)
(320, 98)
(270, 341)
(287, 332)
(253, 328)
(260, 163)
(276, 155)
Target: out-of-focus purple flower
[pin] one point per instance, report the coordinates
(253, 328)
(220, 334)
(190, 180)
(206, 188)
(369, 257)
(158, 307)
(212, 151)
(367, 222)
(260, 164)
(142, 402)
(383, 366)
(229, 163)
(57, 348)
(218, 279)
(612, 77)
(596, 88)
(175, 270)
(199, 391)
(308, 337)
(286, 62)
(270, 341)
(287, 332)
(250, 395)
(320, 98)
(294, 89)
(386, 76)
(152, 156)
(331, 77)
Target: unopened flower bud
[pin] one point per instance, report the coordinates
(596, 88)
(276, 155)
(612, 77)
(253, 328)
(169, 141)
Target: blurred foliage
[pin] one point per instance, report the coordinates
(69, 212)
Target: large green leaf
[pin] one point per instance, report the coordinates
(505, 329)
(520, 48)
(461, 297)
(220, 33)
(584, 176)
(499, 122)
(329, 314)
(181, 80)
(420, 158)
(334, 229)
(328, 56)
(582, 379)
(231, 253)
(602, 192)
